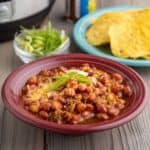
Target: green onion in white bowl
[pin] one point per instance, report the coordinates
(31, 44)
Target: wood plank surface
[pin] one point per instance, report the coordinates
(17, 135)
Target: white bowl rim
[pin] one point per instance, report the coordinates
(19, 50)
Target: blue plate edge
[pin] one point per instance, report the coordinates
(136, 63)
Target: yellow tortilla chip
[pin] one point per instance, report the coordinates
(130, 39)
(128, 33)
(98, 32)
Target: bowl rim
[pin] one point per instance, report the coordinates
(66, 128)
(23, 53)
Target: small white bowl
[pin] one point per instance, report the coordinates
(27, 57)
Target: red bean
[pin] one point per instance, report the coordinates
(90, 72)
(89, 107)
(32, 80)
(102, 90)
(44, 73)
(24, 90)
(117, 77)
(45, 106)
(85, 96)
(75, 118)
(102, 116)
(120, 106)
(116, 88)
(101, 108)
(73, 81)
(92, 97)
(87, 114)
(104, 78)
(81, 107)
(82, 87)
(43, 114)
(72, 84)
(89, 89)
(97, 91)
(56, 105)
(69, 92)
(127, 91)
(113, 111)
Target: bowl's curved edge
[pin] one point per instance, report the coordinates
(72, 130)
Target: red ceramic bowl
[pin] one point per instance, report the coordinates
(12, 88)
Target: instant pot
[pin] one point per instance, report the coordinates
(26, 13)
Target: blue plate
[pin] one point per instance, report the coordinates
(83, 24)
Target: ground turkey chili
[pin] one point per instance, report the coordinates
(75, 95)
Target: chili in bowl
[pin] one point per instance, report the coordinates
(75, 93)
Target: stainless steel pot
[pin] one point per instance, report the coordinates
(6, 10)
(16, 13)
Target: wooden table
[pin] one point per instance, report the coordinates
(17, 135)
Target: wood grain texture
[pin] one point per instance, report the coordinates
(17, 135)
(14, 134)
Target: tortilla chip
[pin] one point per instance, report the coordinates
(128, 33)
(130, 39)
(98, 32)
